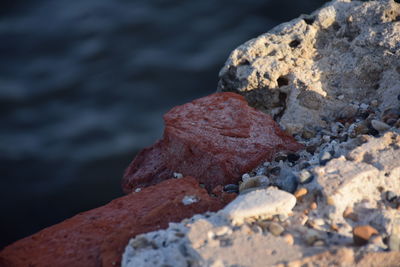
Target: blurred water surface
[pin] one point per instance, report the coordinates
(84, 84)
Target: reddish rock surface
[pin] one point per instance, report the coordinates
(99, 236)
(214, 139)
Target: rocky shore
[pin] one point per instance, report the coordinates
(307, 175)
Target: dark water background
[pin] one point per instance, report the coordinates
(84, 84)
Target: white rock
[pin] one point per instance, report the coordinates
(379, 125)
(347, 49)
(259, 203)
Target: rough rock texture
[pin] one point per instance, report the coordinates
(214, 139)
(209, 240)
(242, 234)
(262, 203)
(98, 237)
(345, 257)
(361, 181)
(316, 68)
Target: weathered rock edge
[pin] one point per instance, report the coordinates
(215, 139)
(316, 68)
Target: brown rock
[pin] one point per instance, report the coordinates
(361, 234)
(99, 236)
(214, 139)
(300, 193)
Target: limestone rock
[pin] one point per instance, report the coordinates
(361, 177)
(258, 204)
(208, 241)
(309, 70)
(98, 237)
(214, 139)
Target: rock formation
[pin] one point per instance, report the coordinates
(331, 80)
(214, 139)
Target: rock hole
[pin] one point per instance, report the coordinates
(336, 26)
(244, 62)
(272, 53)
(376, 86)
(282, 81)
(309, 20)
(294, 43)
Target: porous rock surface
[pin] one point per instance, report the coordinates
(214, 139)
(246, 232)
(98, 237)
(315, 69)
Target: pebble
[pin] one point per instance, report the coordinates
(300, 193)
(222, 230)
(340, 97)
(177, 175)
(259, 203)
(293, 157)
(308, 134)
(379, 125)
(245, 177)
(231, 188)
(334, 227)
(361, 128)
(325, 157)
(305, 177)
(364, 106)
(253, 182)
(319, 221)
(288, 238)
(349, 214)
(249, 183)
(377, 241)
(188, 200)
(326, 138)
(275, 228)
(137, 190)
(287, 181)
(390, 196)
(311, 236)
(319, 243)
(280, 156)
(374, 103)
(313, 206)
(362, 233)
(275, 170)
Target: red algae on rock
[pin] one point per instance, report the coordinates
(98, 237)
(215, 139)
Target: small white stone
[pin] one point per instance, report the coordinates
(137, 190)
(187, 200)
(340, 97)
(364, 106)
(245, 177)
(178, 175)
(259, 203)
(379, 125)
